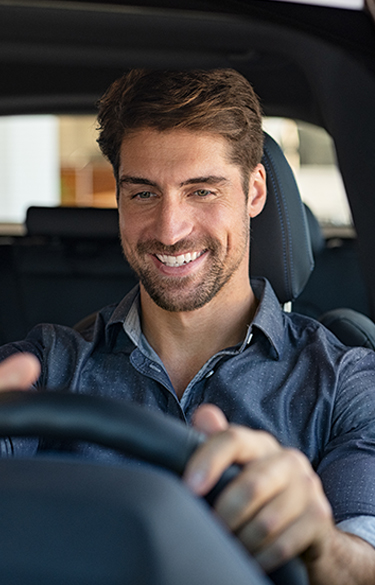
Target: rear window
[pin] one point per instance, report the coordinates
(55, 160)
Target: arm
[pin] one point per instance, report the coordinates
(344, 559)
(276, 506)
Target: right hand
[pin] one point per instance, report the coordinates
(276, 505)
(19, 372)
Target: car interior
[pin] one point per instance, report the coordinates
(307, 62)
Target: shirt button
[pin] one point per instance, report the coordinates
(156, 368)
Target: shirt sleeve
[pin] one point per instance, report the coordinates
(33, 343)
(347, 466)
(362, 526)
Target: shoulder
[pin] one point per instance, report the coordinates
(309, 330)
(53, 341)
(308, 337)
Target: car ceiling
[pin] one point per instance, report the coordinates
(61, 55)
(313, 63)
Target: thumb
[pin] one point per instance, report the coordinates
(209, 419)
(18, 372)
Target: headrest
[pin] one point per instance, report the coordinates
(317, 240)
(280, 247)
(352, 328)
(72, 222)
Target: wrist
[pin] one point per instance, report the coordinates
(340, 558)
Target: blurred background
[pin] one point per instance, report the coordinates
(54, 160)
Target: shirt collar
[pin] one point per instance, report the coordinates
(120, 315)
(268, 319)
(128, 315)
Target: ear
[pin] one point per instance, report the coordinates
(257, 191)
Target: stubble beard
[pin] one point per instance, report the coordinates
(187, 293)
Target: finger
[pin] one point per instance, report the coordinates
(209, 419)
(260, 482)
(285, 508)
(18, 372)
(311, 529)
(234, 445)
(268, 494)
(292, 519)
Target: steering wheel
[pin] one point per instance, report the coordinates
(151, 436)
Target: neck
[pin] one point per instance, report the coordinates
(185, 341)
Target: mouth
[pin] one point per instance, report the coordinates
(180, 260)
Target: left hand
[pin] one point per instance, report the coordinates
(276, 505)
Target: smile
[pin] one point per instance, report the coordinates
(179, 260)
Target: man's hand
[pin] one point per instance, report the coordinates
(276, 506)
(18, 372)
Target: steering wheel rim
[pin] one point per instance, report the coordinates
(115, 424)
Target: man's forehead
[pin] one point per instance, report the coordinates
(206, 152)
(177, 133)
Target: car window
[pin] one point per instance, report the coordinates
(55, 160)
(311, 154)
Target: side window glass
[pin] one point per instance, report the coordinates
(311, 154)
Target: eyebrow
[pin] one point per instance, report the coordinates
(126, 179)
(210, 180)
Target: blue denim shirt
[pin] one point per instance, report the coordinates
(290, 376)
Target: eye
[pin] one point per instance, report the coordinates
(203, 192)
(144, 195)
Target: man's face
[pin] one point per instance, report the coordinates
(184, 217)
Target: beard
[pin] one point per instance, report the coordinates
(191, 292)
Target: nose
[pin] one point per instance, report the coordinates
(173, 221)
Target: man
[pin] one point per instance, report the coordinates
(198, 340)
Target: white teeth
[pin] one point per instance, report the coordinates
(178, 260)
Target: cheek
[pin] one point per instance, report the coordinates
(127, 235)
(239, 231)
(129, 225)
(235, 222)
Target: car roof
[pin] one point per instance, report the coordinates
(59, 56)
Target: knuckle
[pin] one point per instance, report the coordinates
(298, 460)
(269, 441)
(256, 486)
(283, 550)
(234, 432)
(266, 526)
(322, 510)
(301, 467)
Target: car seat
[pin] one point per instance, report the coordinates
(286, 257)
(337, 279)
(68, 264)
(280, 247)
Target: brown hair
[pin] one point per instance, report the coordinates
(220, 101)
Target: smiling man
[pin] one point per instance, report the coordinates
(184, 224)
(201, 342)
